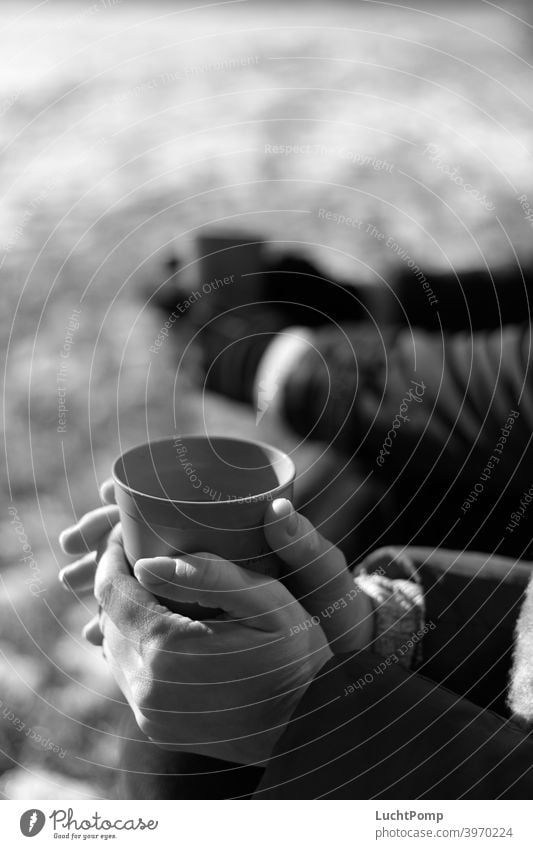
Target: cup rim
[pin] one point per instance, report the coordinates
(248, 499)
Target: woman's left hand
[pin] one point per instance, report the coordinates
(225, 687)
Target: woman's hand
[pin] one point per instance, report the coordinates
(315, 571)
(225, 687)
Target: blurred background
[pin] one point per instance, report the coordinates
(127, 129)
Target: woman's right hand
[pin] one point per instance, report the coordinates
(315, 572)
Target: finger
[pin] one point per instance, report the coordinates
(211, 581)
(133, 610)
(317, 575)
(107, 492)
(78, 577)
(313, 564)
(86, 534)
(92, 632)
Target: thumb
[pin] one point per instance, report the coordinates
(317, 574)
(315, 569)
(211, 581)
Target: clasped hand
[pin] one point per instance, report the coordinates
(225, 687)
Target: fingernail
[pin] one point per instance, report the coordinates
(155, 568)
(284, 510)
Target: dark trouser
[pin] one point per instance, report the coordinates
(472, 600)
(149, 772)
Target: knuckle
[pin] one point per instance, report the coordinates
(336, 559)
(206, 571)
(103, 589)
(154, 652)
(110, 539)
(102, 619)
(115, 534)
(309, 540)
(316, 547)
(145, 692)
(158, 633)
(145, 724)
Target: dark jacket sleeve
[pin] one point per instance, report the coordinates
(363, 731)
(425, 401)
(471, 608)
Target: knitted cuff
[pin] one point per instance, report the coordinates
(399, 613)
